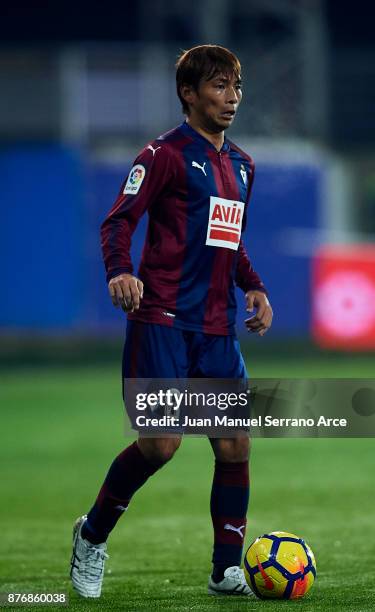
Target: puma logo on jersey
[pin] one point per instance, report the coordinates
(230, 527)
(224, 223)
(196, 165)
(151, 148)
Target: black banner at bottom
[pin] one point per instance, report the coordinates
(272, 408)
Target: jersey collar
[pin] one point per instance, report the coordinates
(187, 129)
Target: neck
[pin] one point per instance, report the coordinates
(215, 138)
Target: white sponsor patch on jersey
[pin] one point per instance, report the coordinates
(224, 223)
(135, 179)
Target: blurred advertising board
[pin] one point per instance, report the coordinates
(343, 297)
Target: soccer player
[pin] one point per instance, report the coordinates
(195, 185)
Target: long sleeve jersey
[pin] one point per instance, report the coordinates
(193, 255)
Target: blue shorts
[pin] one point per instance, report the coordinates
(158, 351)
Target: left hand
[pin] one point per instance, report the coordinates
(262, 320)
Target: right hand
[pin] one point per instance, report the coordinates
(126, 291)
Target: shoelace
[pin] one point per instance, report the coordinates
(238, 573)
(95, 562)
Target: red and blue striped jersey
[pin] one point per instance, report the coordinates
(193, 256)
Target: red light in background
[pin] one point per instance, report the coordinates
(344, 297)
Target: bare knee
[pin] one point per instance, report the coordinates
(231, 450)
(159, 450)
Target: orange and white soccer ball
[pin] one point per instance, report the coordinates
(279, 565)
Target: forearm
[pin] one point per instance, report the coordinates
(115, 242)
(246, 277)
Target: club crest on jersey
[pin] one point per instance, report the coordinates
(224, 223)
(135, 179)
(243, 174)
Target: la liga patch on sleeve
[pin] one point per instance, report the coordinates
(135, 179)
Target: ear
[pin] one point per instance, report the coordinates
(188, 93)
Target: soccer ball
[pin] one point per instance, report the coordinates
(279, 565)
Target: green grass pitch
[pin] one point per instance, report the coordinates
(60, 430)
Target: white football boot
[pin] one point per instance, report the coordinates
(233, 583)
(87, 563)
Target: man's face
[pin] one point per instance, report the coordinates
(215, 103)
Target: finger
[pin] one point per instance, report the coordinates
(260, 330)
(134, 293)
(256, 330)
(112, 293)
(127, 307)
(266, 323)
(140, 287)
(262, 309)
(126, 294)
(254, 318)
(126, 301)
(250, 302)
(119, 294)
(123, 298)
(253, 324)
(250, 322)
